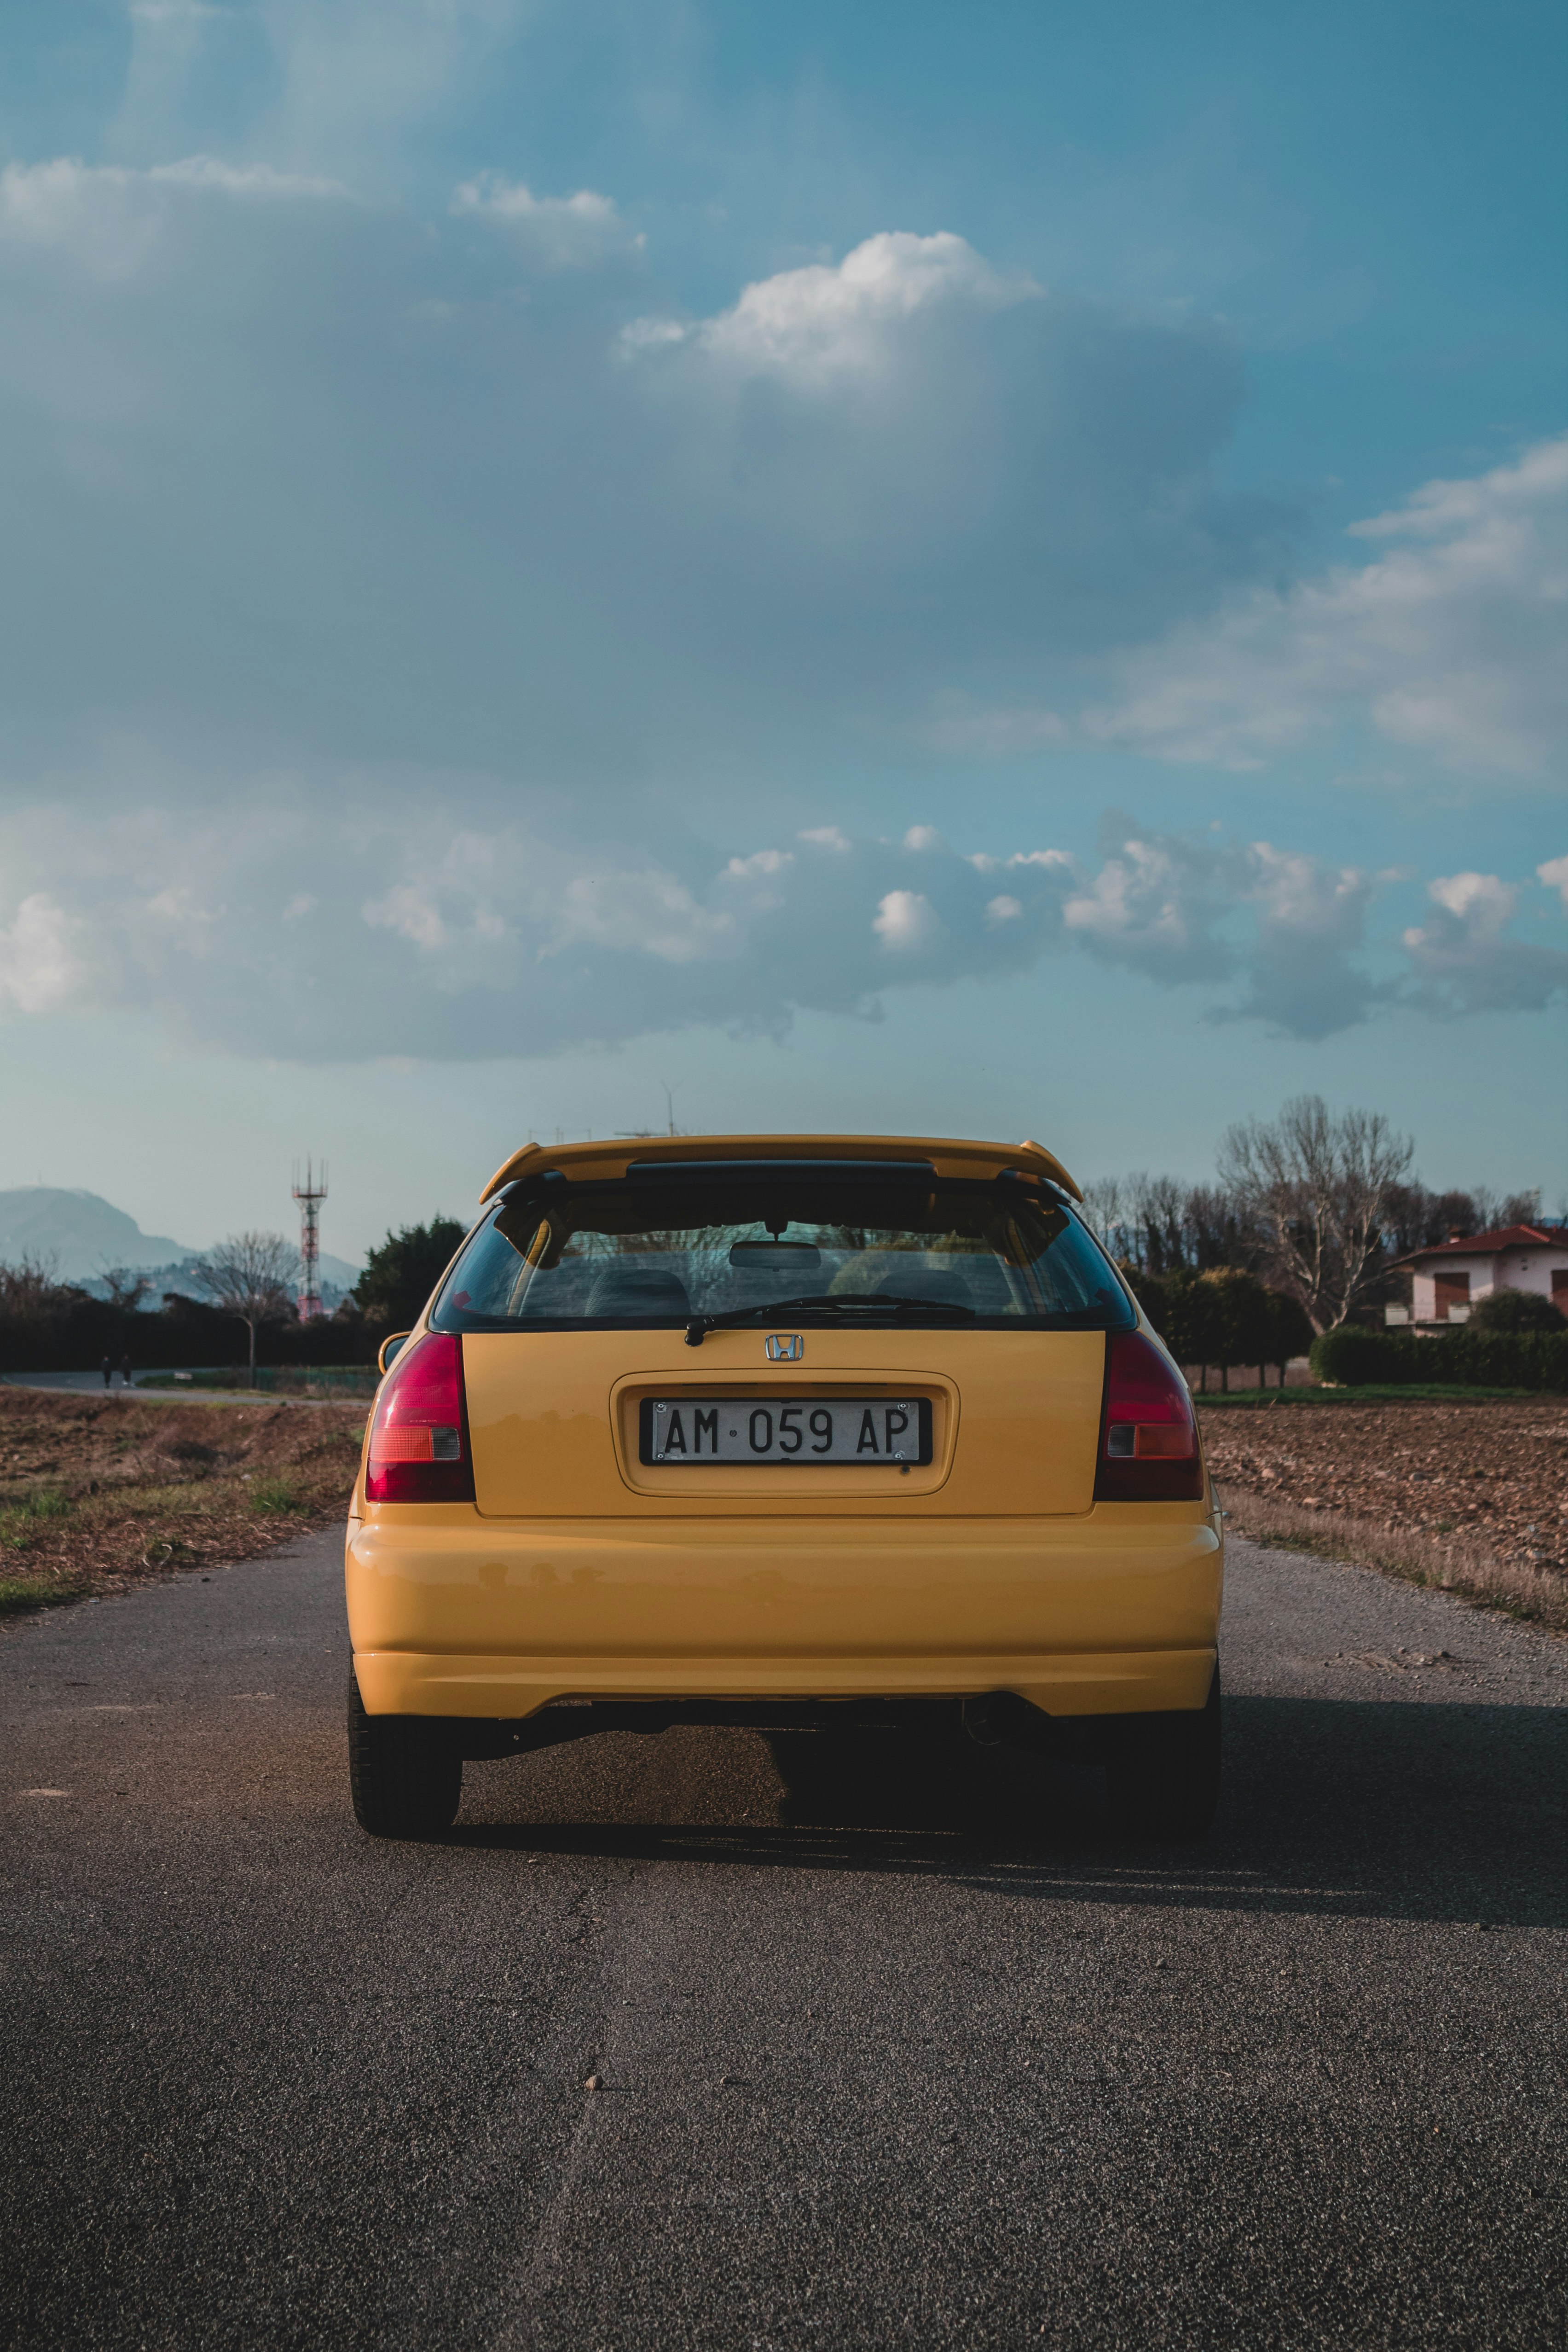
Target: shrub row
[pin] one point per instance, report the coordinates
(76, 1332)
(1353, 1357)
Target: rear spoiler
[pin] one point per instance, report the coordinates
(610, 1161)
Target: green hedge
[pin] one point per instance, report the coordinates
(1353, 1357)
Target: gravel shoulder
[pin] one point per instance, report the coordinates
(893, 2049)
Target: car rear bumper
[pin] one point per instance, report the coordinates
(1115, 1612)
(400, 1681)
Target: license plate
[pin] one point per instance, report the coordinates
(689, 1432)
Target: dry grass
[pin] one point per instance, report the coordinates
(97, 1493)
(1461, 1564)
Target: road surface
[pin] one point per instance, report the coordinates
(891, 2051)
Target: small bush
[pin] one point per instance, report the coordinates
(1353, 1357)
(1515, 1310)
(274, 1494)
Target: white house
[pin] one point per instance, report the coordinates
(1447, 1279)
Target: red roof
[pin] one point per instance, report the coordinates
(1506, 1237)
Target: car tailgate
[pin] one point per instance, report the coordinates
(554, 1416)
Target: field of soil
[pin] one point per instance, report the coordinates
(97, 1492)
(1472, 1495)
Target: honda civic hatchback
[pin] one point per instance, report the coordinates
(782, 1431)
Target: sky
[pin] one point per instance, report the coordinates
(990, 570)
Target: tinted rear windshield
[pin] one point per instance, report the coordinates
(825, 1247)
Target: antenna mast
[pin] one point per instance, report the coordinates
(309, 1195)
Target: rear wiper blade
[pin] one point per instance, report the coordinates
(887, 1302)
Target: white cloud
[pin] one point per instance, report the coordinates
(818, 324)
(565, 230)
(645, 911)
(246, 180)
(1465, 961)
(106, 219)
(761, 862)
(906, 922)
(40, 968)
(1554, 874)
(453, 934)
(1152, 905)
(1454, 642)
(399, 453)
(410, 913)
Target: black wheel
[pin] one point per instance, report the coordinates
(406, 1781)
(1164, 1780)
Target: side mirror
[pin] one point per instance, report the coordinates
(389, 1349)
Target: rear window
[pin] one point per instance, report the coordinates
(829, 1248)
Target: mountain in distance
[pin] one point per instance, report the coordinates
(83, 1234)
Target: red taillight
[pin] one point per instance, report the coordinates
(419, 1434)
(1148, 1436)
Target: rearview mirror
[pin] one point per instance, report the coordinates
(775, 1258)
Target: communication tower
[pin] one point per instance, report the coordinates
(310, 1195)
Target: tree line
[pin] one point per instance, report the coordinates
(236, 1307)
(1299, 1234)
(1317, 1205)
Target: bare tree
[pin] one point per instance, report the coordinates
(1102, 1211)
(127, 1288)
(1156, 1212)
(249, 1277)
(30, 1286)
(1316, 1187)
(1496, 1210)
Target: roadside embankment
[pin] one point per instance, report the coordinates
(99, 1493)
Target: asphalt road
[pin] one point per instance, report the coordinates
(892, 2049)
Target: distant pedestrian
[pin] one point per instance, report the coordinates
(125, 1370)
(108, 1371)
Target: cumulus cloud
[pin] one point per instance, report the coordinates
(1452, 642)
(814, 328)
(565, 229)
(105, 219)
(441, 485)
(1554, 874)
(40, 968)
(491, 938)
(1464, 959)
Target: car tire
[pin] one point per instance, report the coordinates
(404, 1779)
(1163, 1780)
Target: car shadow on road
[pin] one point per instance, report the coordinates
(1366, 1809)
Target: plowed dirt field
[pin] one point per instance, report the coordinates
(1496, 1470)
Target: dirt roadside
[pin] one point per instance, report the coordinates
(101, 1493)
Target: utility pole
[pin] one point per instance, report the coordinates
(309, 1195)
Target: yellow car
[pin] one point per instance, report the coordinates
(781, 1430)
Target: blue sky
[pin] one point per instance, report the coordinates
(998, 570)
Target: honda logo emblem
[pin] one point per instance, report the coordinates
(785, 1346)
